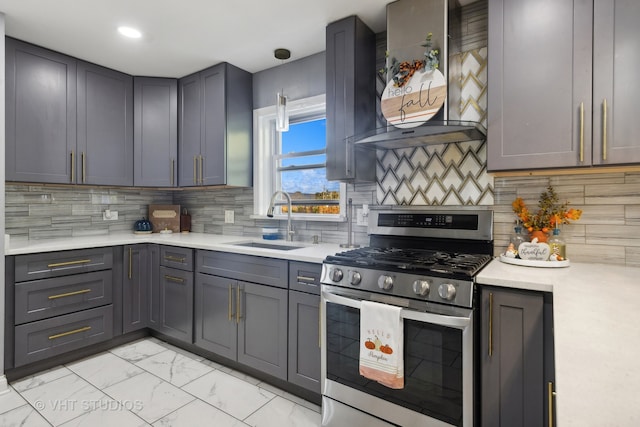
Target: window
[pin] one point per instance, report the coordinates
(294, 162)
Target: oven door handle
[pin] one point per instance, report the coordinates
(420, 316)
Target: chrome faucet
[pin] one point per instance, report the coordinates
(272, 206)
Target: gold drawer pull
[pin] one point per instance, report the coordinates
(174, 258)
(305, 279)
(73, 167)
(69, 294)
(67, 263)
(130, 263)
(230, 304)
(174, 279)
(75, 331)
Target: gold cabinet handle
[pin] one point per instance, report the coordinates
(581, 132)
(230, 304)
(174, 278)
(75, 331)
(173, 165)
(550, 395)
(238, 305)
(69, 294)
(84, 168)
(130, 263)
(174, 258)
(195, 169)
(490, 324)
(67, 263)
(305, 279)
(604, 129)
(73, 167)
(201, 170)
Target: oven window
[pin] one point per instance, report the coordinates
(432, 364)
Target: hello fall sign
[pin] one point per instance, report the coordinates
(416, 101)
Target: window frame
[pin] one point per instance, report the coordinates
(265, 142)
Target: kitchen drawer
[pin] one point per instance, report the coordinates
(180, 258)
(40, 299)
(266, 271)
(47, 338)
(63, 263)
(305, 277)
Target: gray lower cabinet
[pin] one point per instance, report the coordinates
(62, 301)
(155, 142)
(215, 122)
(304, 325)
(351, 99)
(40, 113)
(171, 296)
(516, 350)
(135, 287)
(240, 320)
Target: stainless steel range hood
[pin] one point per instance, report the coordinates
(408, 21)
(432, 132)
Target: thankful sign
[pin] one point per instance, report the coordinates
(416, 101)
(534, 251)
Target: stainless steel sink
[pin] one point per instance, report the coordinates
(264, 245)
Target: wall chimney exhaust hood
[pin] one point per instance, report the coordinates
(408, 22)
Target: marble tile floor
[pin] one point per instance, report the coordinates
(150, 383)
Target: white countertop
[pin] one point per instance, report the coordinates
(596, 309)
(308, 252)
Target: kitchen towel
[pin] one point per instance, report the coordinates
(381, 344)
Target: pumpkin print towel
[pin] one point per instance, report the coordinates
(381, 344)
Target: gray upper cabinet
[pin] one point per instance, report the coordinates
(67, 121)
(512, 355)
(155, 118)
(539, 75)
(40, 114)
(105, 126)
(215, 127)
(550, 80)
(351, 99)
(616, 58)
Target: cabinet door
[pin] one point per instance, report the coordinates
(262, 330)
(135, 288)
(351, 99)
(512, 349)
(215, 314)
(105, 126)
(616, 58)
(154, 301)
(304, 340)
(176, 303)
(155, 142)
(189, 128)
(213, 165)
(539, 104)
(40, 114)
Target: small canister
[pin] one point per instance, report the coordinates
(185, 221)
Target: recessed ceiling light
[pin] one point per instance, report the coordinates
(130, 32)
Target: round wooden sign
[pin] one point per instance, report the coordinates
(417, 101)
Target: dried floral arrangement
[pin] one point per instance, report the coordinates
(403, 71)
(550, 214)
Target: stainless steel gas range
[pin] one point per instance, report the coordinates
(424, 262)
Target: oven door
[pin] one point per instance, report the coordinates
(438, 364)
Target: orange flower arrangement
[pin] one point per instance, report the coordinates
(550, 212)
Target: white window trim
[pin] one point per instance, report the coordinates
(264, 150)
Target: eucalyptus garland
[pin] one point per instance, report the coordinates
(403, 71)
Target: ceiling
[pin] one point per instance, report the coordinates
(186, 36)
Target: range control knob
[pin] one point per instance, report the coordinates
(447, 291)
(385, 282)
(336, 275)
(421, 287)
(355, 278)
